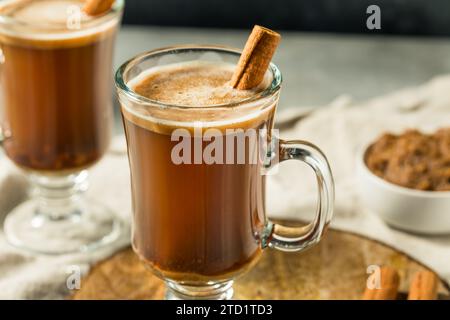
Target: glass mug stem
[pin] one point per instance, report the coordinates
(59, 197)
(287, 238)
(218, 291)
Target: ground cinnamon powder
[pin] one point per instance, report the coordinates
(412, 159)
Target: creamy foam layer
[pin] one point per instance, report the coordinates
(200, 93)
(196, 84)
(52, 23)
(48, 12)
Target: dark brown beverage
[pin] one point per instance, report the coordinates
(55, 85)
(194, 223)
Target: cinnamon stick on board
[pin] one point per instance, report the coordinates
(255, 58)
(96, 7)
(423, 286)
(388, 286)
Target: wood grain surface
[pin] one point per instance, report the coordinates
(334, 269)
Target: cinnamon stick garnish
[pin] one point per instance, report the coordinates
(388, 288)
(255, 58)
(97, 7)
(423, 286)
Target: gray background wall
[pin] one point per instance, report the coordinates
(406, 17)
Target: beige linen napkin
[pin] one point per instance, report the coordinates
(338, 129)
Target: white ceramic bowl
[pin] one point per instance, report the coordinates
(426, 212)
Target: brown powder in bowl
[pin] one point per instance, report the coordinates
(412, 159)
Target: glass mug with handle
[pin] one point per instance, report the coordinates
(56, 119)
(197, 223)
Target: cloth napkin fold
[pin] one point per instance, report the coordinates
(339, 129)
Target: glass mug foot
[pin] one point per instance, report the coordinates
(59, 221)
(218, 291)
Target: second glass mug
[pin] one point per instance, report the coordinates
(199, 226)
(56, 119)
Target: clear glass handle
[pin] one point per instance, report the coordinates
(298, 238)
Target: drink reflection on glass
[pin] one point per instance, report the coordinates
(199, 218)
(56, 118)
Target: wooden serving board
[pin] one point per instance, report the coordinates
(334, 269)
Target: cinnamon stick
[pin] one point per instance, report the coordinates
(388, 287)
(255, 58)
(97, 7)
(423, 286)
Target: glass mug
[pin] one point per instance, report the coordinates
(200, 225)
(56, 120)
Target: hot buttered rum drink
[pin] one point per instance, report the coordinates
(194, 221)
(55, 80)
